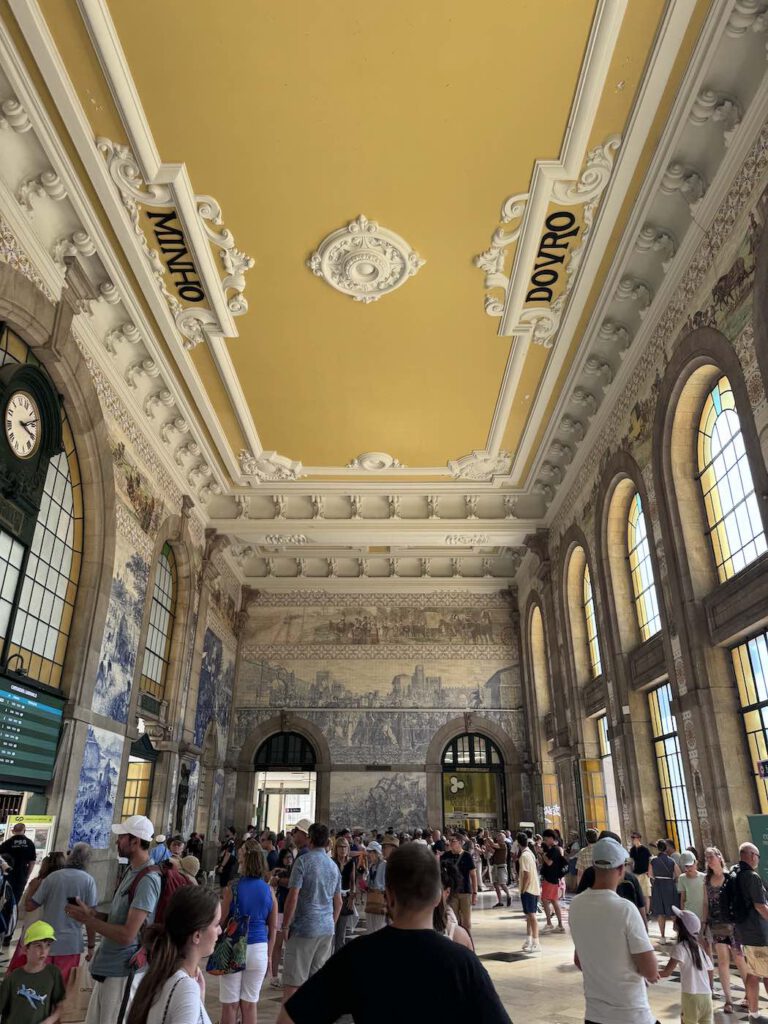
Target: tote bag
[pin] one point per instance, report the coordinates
(229, 953)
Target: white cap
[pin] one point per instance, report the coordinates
(374, 847)
(137, 825)
(689, 919)
(607, 854)
(687, 859)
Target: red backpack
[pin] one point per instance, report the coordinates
(171, 879)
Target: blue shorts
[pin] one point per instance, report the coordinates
(530, 902)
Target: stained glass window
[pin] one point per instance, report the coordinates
(46, 598)
(641, 569)
(735, 526)
(750, 660)
(591, 621)
(669, 764)
(157, 649)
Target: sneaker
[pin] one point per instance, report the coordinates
(275, 983)
(560, 929)
(534, 948)
(527, 946)
(509, 901)
(548, 927)
(496, 906)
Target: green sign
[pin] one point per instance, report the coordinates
(758, 826)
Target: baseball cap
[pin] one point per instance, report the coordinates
(39, 931)
(687, 859)
(607, 853)
(303, 825)
(137, 825)
(689, 919)
(374, 847)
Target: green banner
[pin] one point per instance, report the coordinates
(758, 826)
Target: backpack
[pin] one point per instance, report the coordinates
(171, 879)
(733, 902)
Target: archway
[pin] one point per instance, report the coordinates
(281, 723)
(473, 783)
(286, 781)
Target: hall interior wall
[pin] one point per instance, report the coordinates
(716, 319)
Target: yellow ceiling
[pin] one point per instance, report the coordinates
(297, 118)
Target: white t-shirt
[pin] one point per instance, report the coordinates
(527, 863)
(186, 1003)
(606, 931)
(693, 980)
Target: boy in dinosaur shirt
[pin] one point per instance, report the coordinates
(31, 994)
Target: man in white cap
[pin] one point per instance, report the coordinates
(111, 966)
(613, 950)
(301, 836)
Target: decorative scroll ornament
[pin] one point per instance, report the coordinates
(364, 260)
(194, 323)
(268, 466)
(374, 462)
(542, 322)
(480, 465)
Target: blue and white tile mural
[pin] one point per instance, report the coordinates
(95, 804)
(190, 808)
(117, 660)
(215, 824)
(217, 677)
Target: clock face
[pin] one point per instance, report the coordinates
(22, 424)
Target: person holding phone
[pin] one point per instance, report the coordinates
(67, 885)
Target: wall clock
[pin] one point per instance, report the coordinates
(22, 424)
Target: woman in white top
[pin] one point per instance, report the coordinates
(173, 989)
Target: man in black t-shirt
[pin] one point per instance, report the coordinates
(438, 843)
(20, 850)
(226, 866)
(409, 958)
(463, 901)
(641, 858)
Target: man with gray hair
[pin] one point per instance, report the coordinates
(749, 903)
(52, 895)
(613, 951)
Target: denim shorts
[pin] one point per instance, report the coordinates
(530, 902)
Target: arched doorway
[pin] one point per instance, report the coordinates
(473, 783)
(286, 781)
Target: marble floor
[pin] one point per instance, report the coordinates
(545, 988)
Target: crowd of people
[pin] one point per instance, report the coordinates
(286, 909)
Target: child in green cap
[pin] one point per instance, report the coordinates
(32, 993)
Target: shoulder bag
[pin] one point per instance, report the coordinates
(229, 953)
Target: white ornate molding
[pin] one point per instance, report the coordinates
(543, 321)
(47, 183)
(13, 117)
(468, 540)
(268, 466)
(194, 323)
(480, 465)
(374, 462)
(364, 260)
(279, 539)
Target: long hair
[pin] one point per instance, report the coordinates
(336, 858)
(690, 941)
(713, 849)
(53, 862)
(189, 910)
(449, 879)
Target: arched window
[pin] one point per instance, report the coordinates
(591, 623)
(286, 750)
(641, 569)
(735, 526)
(471, 750)
(36, 616)
(157, 649)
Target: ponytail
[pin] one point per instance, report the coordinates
(164, 958)
(189, 910)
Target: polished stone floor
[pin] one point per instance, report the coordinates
(545, 988)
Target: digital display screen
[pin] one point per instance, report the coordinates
(30, 723)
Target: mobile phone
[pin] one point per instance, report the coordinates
(72, 900)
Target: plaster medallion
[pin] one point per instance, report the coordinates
(373, 462)
(364, 260)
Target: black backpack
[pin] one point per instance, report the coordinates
(734, 903)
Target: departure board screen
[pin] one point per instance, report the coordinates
(30, 723)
